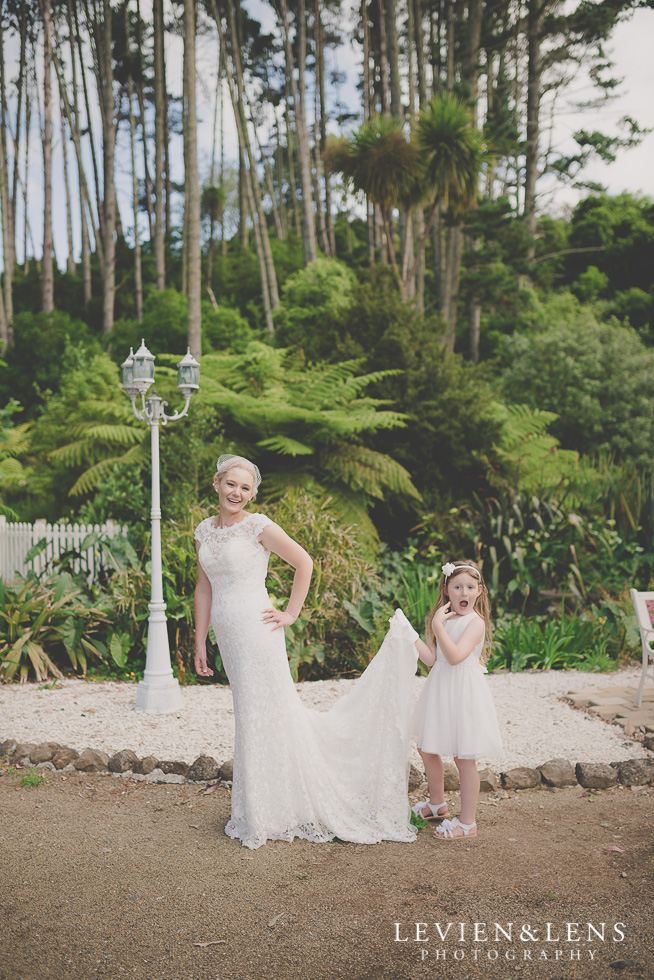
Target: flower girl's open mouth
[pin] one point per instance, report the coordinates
(463, 604)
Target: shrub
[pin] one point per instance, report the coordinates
(597, 378)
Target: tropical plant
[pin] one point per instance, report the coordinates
(543, 643)
(45, 621)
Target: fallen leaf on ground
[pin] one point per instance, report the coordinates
(211, 789)
(273, 921)
(211, 942)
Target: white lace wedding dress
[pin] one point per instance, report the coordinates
(299, 772)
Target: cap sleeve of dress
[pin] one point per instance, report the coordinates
(201, 530)
(258, 522)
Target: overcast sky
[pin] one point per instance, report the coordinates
(633, 171)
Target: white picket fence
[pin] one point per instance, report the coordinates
(16, 540)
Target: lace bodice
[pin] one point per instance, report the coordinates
(233, 557)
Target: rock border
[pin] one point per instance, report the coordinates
(554, 774)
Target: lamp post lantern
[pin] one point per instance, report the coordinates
(158, 693)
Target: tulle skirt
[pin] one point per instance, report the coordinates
(455, 714)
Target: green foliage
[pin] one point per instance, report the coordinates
(590, 284)
(544, 643)
(39, 359)
(448, 402)
(165, 325)
(537, 552)
(12, 444)
(307, 424)
(598, 378)
(224, 329)
(83, 432)
(451, 148)
(312, 299)
(45, 622)
(378, 160)
(526, 456)
(327, 639)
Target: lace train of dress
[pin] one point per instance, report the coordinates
(299, 772)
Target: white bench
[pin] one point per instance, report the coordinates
(646, 627)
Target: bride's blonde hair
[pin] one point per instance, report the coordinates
(481, 606)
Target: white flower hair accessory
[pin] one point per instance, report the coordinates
(450, 567)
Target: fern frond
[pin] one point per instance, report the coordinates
(361, 468)
(91, 477)
(286, 446)
(123, 435)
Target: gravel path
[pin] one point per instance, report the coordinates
(535, 724)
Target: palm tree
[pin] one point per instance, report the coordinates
(452, 154)
(381, 162)
(440, 165)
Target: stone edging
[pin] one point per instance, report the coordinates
(553, 774)
(53, 756)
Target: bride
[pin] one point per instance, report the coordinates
(298, 772)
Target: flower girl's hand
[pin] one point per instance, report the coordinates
(277, 617)
(443, 614)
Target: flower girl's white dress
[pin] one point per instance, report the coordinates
(455, 714)
(299, 772)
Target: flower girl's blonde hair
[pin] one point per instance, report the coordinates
(481, 606)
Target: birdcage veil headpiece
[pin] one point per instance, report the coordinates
(228, 461)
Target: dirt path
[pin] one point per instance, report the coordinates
(105, 877)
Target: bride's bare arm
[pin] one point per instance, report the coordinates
(275, 539)
(202, 606)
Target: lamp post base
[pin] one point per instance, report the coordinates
(160, 696)
(159, 692)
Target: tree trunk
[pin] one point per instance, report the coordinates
(28, 114)
(290, 146)
(535, 11)
(318, 144)
(147, 182)
(138, 279)
(470, 74)
(243, 209)
(193, 187)
(269, 292)
(159, 137)
(302, 132)
(419, 40)
(47, 270)
(21, 85)
(87, 106)
(383, 59)
(105, 81)
(70, 258)
(73, 124)
(5, 201)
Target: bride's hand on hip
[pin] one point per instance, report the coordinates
(277, 618)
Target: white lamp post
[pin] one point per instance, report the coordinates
(158, 693)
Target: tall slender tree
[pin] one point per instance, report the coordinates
(159, 138)
(47, 269)
(192, 200)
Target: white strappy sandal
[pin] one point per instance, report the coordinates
(446, 830)
(434, 807)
